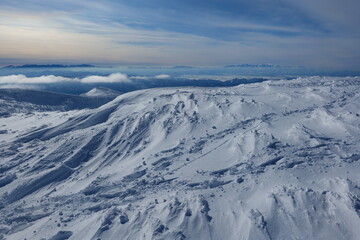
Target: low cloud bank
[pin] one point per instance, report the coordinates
(162, 76)
(116, 81)
(22, 79)
(113, 78)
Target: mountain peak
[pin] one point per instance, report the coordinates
(101, 92)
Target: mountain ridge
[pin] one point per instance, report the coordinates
(27, 100)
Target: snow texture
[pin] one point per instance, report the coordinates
(270, 160)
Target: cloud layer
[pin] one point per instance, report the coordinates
(22, 79)
(112, 78)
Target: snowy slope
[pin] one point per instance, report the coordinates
(28, 101)
(271, 160)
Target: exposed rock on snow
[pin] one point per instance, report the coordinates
(271, 160)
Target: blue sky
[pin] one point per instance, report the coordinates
(312, 33)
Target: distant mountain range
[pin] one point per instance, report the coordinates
(50, 66)
(254, 66)
(162, 67)
(182, 67)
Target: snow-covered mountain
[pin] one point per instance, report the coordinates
(15, 100)
(102, 92)
(270, 160)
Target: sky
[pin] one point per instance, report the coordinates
(312, 33)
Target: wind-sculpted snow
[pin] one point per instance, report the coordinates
(271, 160)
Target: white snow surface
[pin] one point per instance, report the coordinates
(271, 160)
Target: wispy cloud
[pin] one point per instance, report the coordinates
(319, 33)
